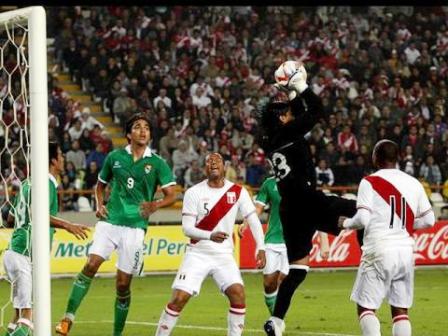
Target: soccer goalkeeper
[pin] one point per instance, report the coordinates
(284, 122)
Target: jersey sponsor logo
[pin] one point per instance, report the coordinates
(231, 197)
(148, 168)
(219, 211)
(117, 164)
(393, 197)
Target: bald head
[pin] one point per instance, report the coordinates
(385, 154)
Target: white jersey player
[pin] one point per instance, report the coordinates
(391, 205)
(208, 216)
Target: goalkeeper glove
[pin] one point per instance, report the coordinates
(291, 93)
(297, 82)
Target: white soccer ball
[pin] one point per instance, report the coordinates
(286, 70)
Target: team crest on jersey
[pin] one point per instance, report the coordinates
(117, 164)
(231, 197)
(148, 168)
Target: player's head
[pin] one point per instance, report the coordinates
(279, 107)
(138, 129)
(385, 154)
(55, 157)
(214, 166)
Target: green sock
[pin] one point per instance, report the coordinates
(21, 330)
(270, 299)
(79, 290)
(122, 303)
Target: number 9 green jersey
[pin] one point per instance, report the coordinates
(133, 183)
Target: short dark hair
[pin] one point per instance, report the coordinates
(52, 151)
(386, 151)
(135, 117)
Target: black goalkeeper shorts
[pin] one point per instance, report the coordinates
(302, 215)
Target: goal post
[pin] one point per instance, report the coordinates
(31, 55)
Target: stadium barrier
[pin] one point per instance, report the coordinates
(165, 247)
(431, 248)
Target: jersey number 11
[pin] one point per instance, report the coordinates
(393, 204)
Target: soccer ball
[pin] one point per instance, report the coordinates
(285, 71)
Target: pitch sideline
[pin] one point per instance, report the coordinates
(199, 327)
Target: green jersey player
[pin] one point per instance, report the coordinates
(134, 173)
(277, 266)
(17, 259)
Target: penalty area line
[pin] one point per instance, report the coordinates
(201, 327)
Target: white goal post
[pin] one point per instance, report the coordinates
(33, 19)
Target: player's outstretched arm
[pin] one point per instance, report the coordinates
(101, 210)
(169, 197)
(78, 230)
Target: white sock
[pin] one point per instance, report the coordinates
(235, 320)
(370, 325)
(167, 321)
(401, 326)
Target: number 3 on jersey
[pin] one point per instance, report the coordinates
(130, 183)
(280, 165)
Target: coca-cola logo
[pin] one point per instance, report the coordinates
(432, 245)
(339, 248)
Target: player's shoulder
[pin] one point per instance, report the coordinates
(157, 158)
(269, 182)
(197, 188)
(393, 176)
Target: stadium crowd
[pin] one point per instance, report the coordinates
(200, 72)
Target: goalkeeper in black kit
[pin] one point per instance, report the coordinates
(284, 121)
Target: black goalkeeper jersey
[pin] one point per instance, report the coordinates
(289, 151)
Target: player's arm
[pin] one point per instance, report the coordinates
(425, 215)
(249, 213)
(306, 106)
(78, 230)
(169, 197)
(324, 245)
(167, 181)
(364, 206)
(259, 208)
(101, 210)
(103, 178)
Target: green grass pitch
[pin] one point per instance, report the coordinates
(320, 306)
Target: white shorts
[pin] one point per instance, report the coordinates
(126, 240)
(389, 275)
(276, 259)
(197, 266)
(19, 271)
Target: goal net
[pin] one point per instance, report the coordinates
(24, 166)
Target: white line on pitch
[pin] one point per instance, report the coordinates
(198, 327)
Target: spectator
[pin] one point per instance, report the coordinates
(76, 130)
(97, 155)
(182, 158)
(430, 171)
(324, 175)
(76, 156)
(121, 106)
(85, 142)
(255, 172)
(193, 175)
(87, 121)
